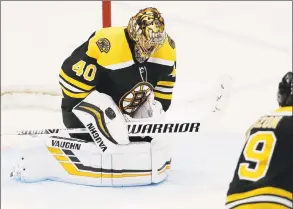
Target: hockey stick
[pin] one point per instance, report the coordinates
(134, 129)
(150, 128)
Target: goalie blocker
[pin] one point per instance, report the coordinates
(111, 160)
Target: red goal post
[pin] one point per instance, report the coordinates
(106, 13)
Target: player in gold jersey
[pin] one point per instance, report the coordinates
(263, 178)
(127, 63)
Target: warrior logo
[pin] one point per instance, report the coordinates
(134, 98)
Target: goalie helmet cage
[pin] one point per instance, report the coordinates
(19, 96)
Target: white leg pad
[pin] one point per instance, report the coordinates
(161, 159)
(64, 160)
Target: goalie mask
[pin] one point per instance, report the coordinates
(285, 91)
(147, 29)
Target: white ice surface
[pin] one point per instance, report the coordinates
(201, 170)
(249, 41)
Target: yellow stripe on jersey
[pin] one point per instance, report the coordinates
(163, 96)
(166, 83)
(261, 191)
(261, 206)
(75, 95)
(282, 111)
(285, 109)
(75, 82)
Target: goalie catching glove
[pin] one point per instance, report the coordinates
(150, 110)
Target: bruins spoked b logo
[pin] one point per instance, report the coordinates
(134, 98)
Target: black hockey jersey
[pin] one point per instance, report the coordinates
(106, 62)
(263, 178)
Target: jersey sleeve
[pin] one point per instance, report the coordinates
(80, 73)
(164, 89)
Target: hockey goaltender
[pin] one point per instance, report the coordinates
(119, 76)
